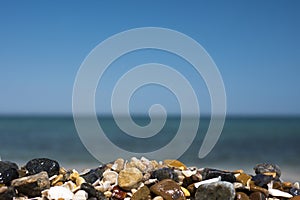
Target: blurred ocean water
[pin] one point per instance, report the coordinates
(244, 142)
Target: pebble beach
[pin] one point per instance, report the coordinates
(142, 179)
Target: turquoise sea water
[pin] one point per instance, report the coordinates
(244, 142)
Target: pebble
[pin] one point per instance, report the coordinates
(38, 165)
(141, 194)
(80, 195)
(278, 193)
(213, 173)
(242, 196)
(164, 173)
(92, 192)
(110, 176)
(168, 189)
(295, 198)
(129, 178)
(243, 178)
(58, 193)
(94, 174)
(213, 191)
(257, 196)
(118, 165)
(176, 164)
(33, 185)
(262, 180)
(8, 194)
(294, 191)
(266, 168)
(8, 172)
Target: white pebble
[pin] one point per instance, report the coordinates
(59, 192)
(80, 195)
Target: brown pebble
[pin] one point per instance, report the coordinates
(243, 178)
(168, 189)
(255, 188)
(241, 196)
(257, 196)
(175, 163)
(295, 198)
(142, 194)
(118, 193)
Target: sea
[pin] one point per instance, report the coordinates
(244, 142)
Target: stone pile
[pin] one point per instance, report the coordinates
(141, 179)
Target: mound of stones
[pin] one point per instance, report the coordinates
(141, 179)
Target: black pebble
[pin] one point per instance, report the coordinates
(295, 191)
(38, 165)
(92, 192)
(164, 173)
(214, 173)
(9, 194)
(8, 172)
(262, 180)
(94, 174)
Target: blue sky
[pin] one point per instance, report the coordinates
(255, 45)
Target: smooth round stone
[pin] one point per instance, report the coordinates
(215, 191)
(168, 189)
(164, 173)
(266, 168)
(92, 192)
(129, 178)
(257, 196)
(38, 165)
(8, 172)
(241, 196)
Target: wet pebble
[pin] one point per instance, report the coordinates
(213, 191)
(164, 173)
(92, 192)
(214, 173)
(8, 172)
(38, 165)
(168, 189)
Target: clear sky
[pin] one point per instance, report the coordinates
(255, 44)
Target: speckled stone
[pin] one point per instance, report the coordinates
(33, 185)
(129, 178)
(168, 189)
(215, 191)
(266, 168)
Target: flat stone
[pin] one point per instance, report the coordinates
(257, 196)
(33, 185)
(215, 191)
(266, 168)
(141, 194)
(38, 165)
(262, 180)
(168, 189)
(242, 196)
(164, 173)
(8, 172)
(129, 178)
(214, 173)
(176, 164)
